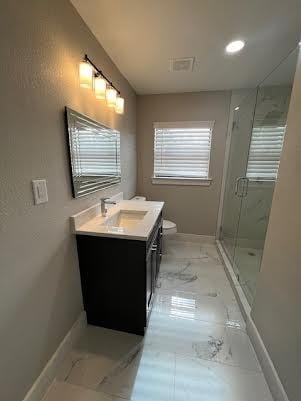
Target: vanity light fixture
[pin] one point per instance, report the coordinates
(85, 74)
(119, 108)
(111, 96)
(103, 87)
(235, 46)
(100, 87)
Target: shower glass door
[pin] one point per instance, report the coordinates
(238, 156)
(267, 135)
(256, 144)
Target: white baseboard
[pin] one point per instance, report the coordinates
(41, 385)
(263, 356)
(266, 363)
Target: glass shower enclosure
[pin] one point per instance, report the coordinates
(258, 131)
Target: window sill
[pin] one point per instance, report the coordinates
(182, 181)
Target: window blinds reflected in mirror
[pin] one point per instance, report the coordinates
(94, 154)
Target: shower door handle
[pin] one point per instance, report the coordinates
(237, 186)
(244, 187)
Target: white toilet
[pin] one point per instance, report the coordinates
(169, 227)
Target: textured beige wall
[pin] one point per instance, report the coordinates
(276, 310)
(193, 208)
(42, 43)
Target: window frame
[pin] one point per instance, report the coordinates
(205, 181)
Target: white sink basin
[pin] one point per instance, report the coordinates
(125, 219)
(128, 219)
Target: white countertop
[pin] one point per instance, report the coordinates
(90, 221)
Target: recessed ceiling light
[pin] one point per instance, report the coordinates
(235, 46)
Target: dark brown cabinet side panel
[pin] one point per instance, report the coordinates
(113, 277)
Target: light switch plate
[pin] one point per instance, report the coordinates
(39, 191)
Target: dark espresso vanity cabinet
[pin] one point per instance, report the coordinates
(118, 278)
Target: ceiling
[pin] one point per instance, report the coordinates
(141, 36)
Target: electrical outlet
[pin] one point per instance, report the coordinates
(39, 191)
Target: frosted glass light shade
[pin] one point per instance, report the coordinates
(100, 86)
(111, 95)
(119, 108)
(85, 75)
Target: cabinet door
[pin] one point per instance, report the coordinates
(154, 266)
(159, 250)
(149, 284)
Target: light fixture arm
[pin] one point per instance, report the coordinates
(100, 73)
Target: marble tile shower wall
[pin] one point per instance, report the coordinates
(195, 348)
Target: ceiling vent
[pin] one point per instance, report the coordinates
(181, 64)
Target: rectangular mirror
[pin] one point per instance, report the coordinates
(94, 151)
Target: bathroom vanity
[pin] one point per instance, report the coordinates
(119, 259)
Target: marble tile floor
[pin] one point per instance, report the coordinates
(195, 348)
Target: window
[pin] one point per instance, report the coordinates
(265, 150)
(182, 151)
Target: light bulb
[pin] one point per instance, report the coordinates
(111, 95)
(85, 75)
(100, 86)
(119, 108)
(235, 46)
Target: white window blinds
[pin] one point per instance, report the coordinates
(182, 150)
(265, 150)
(98, 153)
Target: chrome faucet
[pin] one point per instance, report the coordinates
(103, 205)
